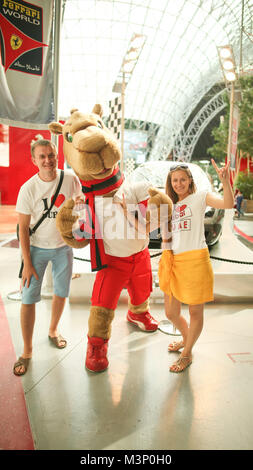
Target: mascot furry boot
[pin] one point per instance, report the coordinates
(121, 261)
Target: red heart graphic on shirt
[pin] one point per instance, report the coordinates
(59, 200)
(181, 208)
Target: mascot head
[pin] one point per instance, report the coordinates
(89, 147)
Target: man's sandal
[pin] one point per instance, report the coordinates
(181, 364)
(57, 340)
(21, 362)
(175, 346)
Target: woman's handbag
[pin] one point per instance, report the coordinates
(32, 231)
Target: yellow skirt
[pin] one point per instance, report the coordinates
(187, 276)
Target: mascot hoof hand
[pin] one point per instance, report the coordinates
(96, 356)
(143, 320)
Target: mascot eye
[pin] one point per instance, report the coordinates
(69, 137)
(100, 125)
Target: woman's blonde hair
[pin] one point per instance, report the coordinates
(168, 186)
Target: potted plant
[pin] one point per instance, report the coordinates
(245, 135)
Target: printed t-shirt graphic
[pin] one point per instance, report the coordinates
(181, 218)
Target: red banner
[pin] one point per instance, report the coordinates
(234, 136)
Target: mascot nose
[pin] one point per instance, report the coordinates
(90, 139)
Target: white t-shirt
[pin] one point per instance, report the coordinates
(119, 236)
(188, 232)
(34, 199)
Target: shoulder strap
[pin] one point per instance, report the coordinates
(52, 203)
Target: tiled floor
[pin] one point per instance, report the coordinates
(137, 403)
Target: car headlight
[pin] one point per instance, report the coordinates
(209, 212)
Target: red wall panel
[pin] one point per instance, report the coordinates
(21, 167)
(244, 165)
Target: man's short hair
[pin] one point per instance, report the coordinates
(43, 142)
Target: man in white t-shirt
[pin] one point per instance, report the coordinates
(44, 245)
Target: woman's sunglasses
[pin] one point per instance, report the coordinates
(178, 165)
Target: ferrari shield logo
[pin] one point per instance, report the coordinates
(16, 42)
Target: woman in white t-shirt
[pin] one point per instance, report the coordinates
(185, 271)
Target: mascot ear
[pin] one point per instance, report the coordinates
(55, 127)
(98, 110)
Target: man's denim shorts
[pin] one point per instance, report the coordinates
(62, 264)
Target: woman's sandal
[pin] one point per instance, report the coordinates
(57, 340)
(21, 362)
(181, 364)
(175, 346)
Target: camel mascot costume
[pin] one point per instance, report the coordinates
(121, 261)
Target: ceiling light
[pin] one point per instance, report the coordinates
(137, 41)
(225, 52)
(132, 54)
(228, 65)
(230, 76)
(128, 66)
